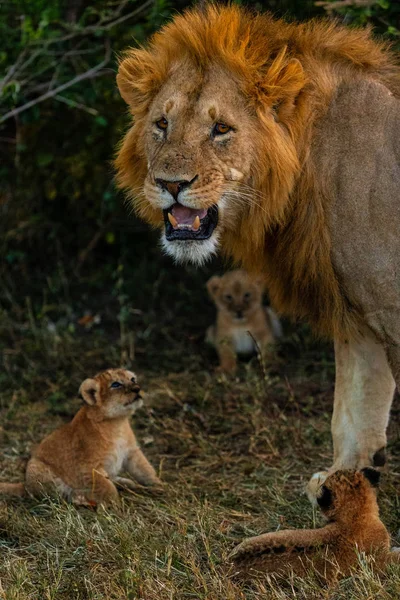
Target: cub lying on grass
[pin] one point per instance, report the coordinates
(82, 459)
(348, 501)
(241, 318)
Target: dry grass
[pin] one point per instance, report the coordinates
(236, 454)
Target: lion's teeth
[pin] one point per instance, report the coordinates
(172, 220)
(196, 223)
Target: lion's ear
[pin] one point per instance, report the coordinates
(139, 76)
(213, 285)
(282, 83)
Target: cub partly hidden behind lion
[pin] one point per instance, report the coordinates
(348, 501)
(81, 460)
(243, 323)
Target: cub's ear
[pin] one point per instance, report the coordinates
(89, 391)
(372, 475)
(139, 77)
(282, 83)
(259, 282)
(213, 285)
(325, 499)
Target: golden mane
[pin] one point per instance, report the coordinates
(296, 67)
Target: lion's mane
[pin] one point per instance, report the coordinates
(298, 68)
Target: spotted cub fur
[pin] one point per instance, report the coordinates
(82, 460)
(243, 323)
(348, 501)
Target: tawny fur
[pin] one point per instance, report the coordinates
(305, 180)
(81, 460)
(273, 81)
(348, 501)
(243, 324)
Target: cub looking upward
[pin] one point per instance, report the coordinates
(82, 459)
(242, 320)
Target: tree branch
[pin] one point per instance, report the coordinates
(94, 72)
(330, 6)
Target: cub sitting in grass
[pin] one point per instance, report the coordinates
(348, 501)
(82, 459)
(242, 319)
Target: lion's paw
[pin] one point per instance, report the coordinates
(314, 485)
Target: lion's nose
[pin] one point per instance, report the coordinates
(136, 388)
(174, 187)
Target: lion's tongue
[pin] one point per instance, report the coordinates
(185, 217)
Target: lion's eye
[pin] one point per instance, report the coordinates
(221, 128)
(133, 379)
(162, 124)
(228, 297)
(116, 384)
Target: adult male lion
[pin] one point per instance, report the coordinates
(279, 144)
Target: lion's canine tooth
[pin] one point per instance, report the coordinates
(196, 223)
(172, 220)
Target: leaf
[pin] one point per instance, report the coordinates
(101, 121)
(44, 158)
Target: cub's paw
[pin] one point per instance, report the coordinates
(240, 550)
(251, 547)
(314, 485)
(157, 485)
(80, 500)
(228, 369)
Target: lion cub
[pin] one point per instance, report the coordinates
(348, 501)
(241, 318)
(82, 459)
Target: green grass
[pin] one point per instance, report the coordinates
(235, 453)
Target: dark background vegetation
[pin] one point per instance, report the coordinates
(84, 286)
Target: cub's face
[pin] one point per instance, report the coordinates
(114, 393)
(236, 294)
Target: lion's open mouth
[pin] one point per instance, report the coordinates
(184, 223)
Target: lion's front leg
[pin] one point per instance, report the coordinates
(363, 395)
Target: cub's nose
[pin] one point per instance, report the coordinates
(135, 388)
(239, 314)
(174, 187)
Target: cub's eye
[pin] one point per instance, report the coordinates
(221, 129)
(162, 124)
(116, 384)
(228, 297)
(133, 379)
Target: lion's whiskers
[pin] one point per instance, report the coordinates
(240, 198)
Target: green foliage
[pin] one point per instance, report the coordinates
(383, 15)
